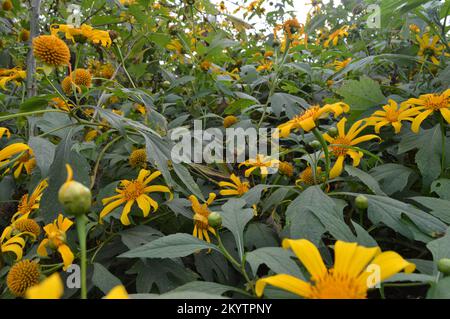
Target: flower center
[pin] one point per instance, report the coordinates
(56, 238)
(429, 51)
(340, 148)
(133, 190)
(242, 188)
(436, 102)
(201, 217)
(338, 286)
(392, 115)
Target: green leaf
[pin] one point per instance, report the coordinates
(440, 290)
(362, 94)
(439, 207)
(440, 248)
(139, 235)
(279, 260)
(185, 176)
(35, 103)
(235, 217)
(260, 235)
(172, 246)
(103, 279)
(366, 178)
(392, 177)
(428, 158)
(442, 188)
(280, 102)
(206, 287)
(44, 152)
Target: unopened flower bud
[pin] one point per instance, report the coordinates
(361, 202)
(444, 266)
(74, 196)
(215, 220)
(315, 144)
(332, 131)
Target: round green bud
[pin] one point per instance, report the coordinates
(361, 202)
(315, 144)
(332, 131)
(444, 266)
(166, 84)
(215, 220)
(75, 198)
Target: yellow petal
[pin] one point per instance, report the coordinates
(419, 119)
(308, 254)
(285, 282)
(338, 167)
(51, 288)
(125, 212)
(118, 292)
(66, 254)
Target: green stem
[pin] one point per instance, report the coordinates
(81, 229)
(12, 116)
(322, 141)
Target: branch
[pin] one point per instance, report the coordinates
(31, 61)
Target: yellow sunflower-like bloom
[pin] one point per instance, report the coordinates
(134, 191)
(336, 35)
(51, 50)
(29, 203)
(26, 161)
(50, 288)
(426, 105)
(236, 188)
(3, 131)
(78, 78)
(341, 145)
(350, 278)
(430, 49)
(339, 65)
(22, 226)
(86, 31)
(118, 292)
(286, 169)
(10, 151)
(138, 158)
(201, 213)
(14, 244)
(393, 115)
(15, 75)
(291, 27)
(262, 162)
(308, 177)
(308, 118)
(229, 121)
(56, 239)
(60, 104)
(23, 275)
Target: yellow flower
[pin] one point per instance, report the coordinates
(414, 28)
(14, 244)
(56, 239)
(23, 275)
(22, 226)
(60, 104)
(430, 49)
(50, 288)
(26, 161)
(92, 134)
(79, 77)
(134, 191)
(336, 35)
(29, 203)
(71, 33)
(118, 292)
(236, 188)
(3, 131)
(265, 66)
(205, 65)
(51, 50)
(262, 162)
(138, 158)
(428, 104)
(7, 5)
(229, 120)
(140, 108)
(308, 118)
(10, 151)
(175, 45)
(350, 276)
(341, 145)
(201, 213)
(339, 65)
(24, 35)
(393, 115)
(308, 177)
(286, 168)
(291, 27)
(16, 75)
